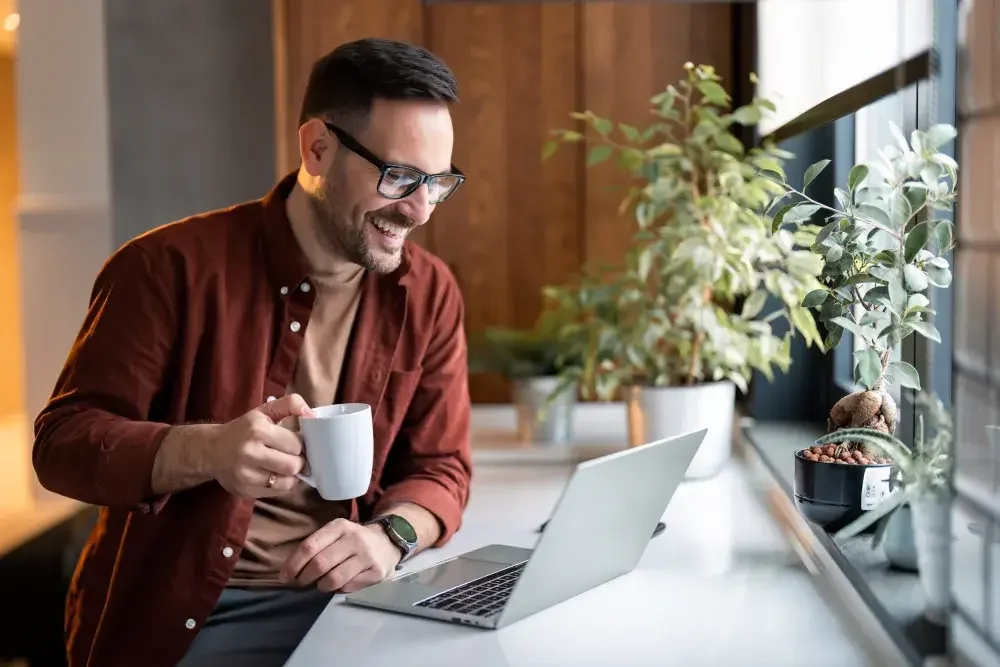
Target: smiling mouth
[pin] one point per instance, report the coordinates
(389, 230)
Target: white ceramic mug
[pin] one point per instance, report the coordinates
(339, 446)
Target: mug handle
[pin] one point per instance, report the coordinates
(307, 479)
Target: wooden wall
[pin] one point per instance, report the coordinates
(517, 224)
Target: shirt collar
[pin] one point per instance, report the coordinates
(286, 263)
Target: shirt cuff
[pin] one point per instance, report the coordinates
(125, 470)
(433, 497)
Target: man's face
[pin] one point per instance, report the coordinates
(367, 226)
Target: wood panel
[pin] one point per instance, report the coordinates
(519, 224)
(631, 51)
(514, 226)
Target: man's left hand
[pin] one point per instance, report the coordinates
(342, 556)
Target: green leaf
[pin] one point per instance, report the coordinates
(926, 329)
(826, 231)
(549, 149)
(747, 115)
(833, 337)
(754, 304)
(897, 293)
(812, 172)
(814, 298)
(858, 174)
(905, 374)
(630, 131)
(938, 276)
(862, 279)
(944, 234)
(887, 257)
(890, 444)
(938, 135)
(603, 126)
(898, 136)
(875, 514)
(801, 212)
(803, 320)
(713, 92)
(729, 143)
(599, 154)
(916, 239)
(899, 207)
(645, 262)
(869, 366)
(915, 279)
(844, 198)
(874, 214)
(779, 217)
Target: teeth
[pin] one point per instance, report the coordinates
(390, 230)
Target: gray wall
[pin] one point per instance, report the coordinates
(191, 106)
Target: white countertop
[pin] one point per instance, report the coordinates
(720, 586)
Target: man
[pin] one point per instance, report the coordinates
(203, 338)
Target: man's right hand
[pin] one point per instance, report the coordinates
(242, 455)
(253, 450)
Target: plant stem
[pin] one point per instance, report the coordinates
(833, 210)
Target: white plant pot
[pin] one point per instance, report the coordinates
(669, 411)
(932, 533)
(539, 420)
(899, 545)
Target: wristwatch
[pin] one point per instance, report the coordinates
(400, 532)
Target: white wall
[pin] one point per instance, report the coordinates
(64, 202)
(810, 50)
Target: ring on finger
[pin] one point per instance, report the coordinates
(271, 480)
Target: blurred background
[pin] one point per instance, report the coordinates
(117, 116)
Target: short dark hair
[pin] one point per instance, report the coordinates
(344, 83)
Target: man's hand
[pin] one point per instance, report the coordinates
(342, 556)
(253, 456)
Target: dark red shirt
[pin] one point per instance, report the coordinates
(201, 321)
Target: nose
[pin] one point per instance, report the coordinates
(418, 206)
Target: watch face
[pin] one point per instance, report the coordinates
(403, 528)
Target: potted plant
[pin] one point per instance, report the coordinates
(532, 360)
(923, 484)
(689, 316)
(881, 250)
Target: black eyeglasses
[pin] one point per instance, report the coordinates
(397, 181)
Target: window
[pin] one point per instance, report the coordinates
(820, 35)
(976, 340)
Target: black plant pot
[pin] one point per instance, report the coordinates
(832, 495)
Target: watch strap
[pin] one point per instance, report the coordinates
(404, 547)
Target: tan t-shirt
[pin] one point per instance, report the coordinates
(280, 523)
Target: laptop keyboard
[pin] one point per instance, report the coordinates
(482, 597)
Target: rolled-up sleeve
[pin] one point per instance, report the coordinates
(92, 440)
(436, 464)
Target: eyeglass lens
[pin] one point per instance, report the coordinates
(399, 182)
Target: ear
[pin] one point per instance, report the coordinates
(316, 147)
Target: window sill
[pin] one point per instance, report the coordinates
(868, 588)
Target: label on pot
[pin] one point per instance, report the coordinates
(875, 487)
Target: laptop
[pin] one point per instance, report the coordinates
(598, 531)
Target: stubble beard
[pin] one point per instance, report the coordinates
(347, 236)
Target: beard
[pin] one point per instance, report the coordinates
(353, 236)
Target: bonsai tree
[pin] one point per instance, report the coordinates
(693, 301)
(881, 249)
(922, 471)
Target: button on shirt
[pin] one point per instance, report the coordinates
(189, 323)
